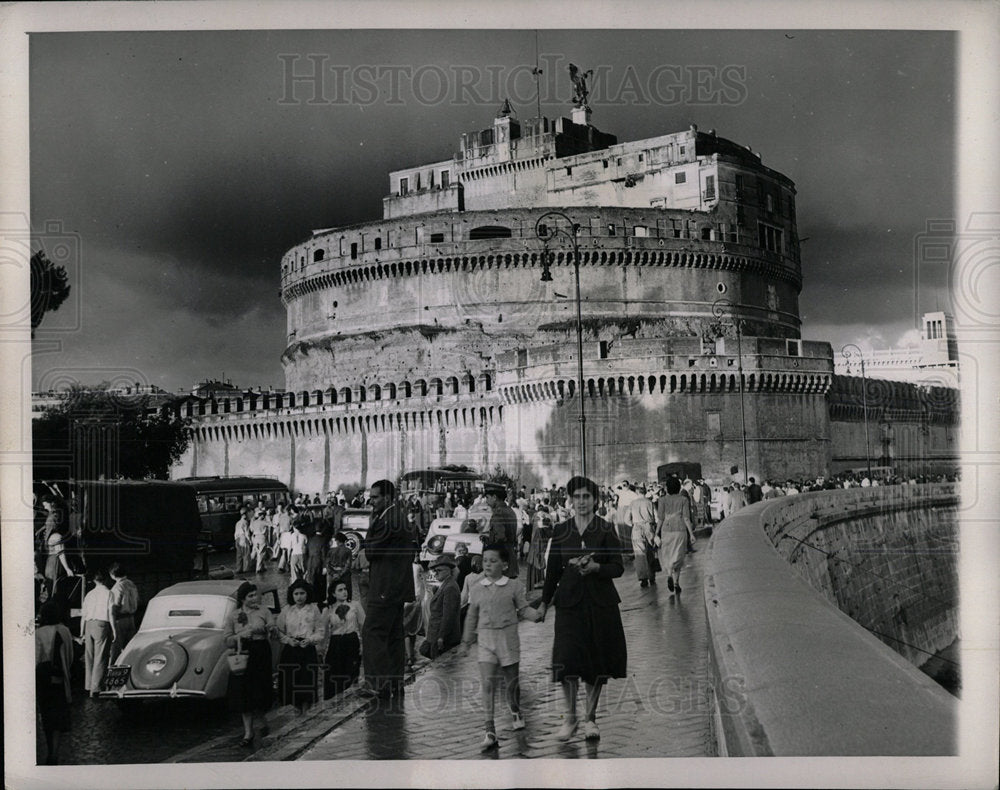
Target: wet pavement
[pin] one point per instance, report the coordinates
(662, 709)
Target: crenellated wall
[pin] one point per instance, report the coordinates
(797, 674)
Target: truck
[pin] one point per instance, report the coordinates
(150, 527)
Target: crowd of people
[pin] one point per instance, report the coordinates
(570, 541)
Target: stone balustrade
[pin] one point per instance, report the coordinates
(795, 675)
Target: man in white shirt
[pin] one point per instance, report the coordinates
(122, 606)
(97, 635)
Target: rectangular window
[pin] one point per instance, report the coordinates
(611, 230)
(569, 171)
(713, 423)
(404, 186)
(437, 238)
(604, 349)
(641, 231)
(676, 229)
(741, 215)
(378, 242)
(794, 349)
(445, 179)
(769, 238)
(709, 187)
(605, 163)
(769, 202)
(522, 357)
(640, 157)
(354, 250)
(706, 234)
(682, 150)
(739, 187)
(680, 178)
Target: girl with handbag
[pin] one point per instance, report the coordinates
(248, 629)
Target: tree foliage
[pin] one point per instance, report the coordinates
(94, 433)
(499, 475)
(49, 287)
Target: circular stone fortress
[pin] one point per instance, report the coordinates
(430, 337)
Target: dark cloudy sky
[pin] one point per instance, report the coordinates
(174, 169)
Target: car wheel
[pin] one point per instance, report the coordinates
(353, 543)
(159, 665)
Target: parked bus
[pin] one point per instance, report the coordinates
(220, 499)
(439, 480)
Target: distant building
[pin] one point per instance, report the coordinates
(933, 361)
(124, 393)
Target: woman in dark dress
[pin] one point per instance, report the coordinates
(589, 643)
(252, 624)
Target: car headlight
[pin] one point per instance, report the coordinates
(436, 544)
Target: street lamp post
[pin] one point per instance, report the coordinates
(849, 351)
(546, 230)
(719, 307)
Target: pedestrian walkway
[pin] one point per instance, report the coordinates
(663, 708)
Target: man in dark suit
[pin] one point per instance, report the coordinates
(502, 529)
(390, 545)
(754, 492)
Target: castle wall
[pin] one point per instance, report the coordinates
(912, 428)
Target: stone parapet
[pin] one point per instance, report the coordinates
(799, 676)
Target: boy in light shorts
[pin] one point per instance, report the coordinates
(496, 602)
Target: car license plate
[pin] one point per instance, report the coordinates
(116, 677)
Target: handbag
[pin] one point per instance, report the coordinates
(238, 660)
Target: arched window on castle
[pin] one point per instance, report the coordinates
(318, 255)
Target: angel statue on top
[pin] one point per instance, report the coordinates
(579, 79)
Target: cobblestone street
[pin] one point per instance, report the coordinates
(663, 708)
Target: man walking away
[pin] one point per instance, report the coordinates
(643, 518)
(123, 603)
(96, 619)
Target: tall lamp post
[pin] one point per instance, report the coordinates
(547, 228)
(849, 351)
(719, 310)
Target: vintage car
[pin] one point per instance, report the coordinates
(354, 524)
(446, 533)
(179, 650)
